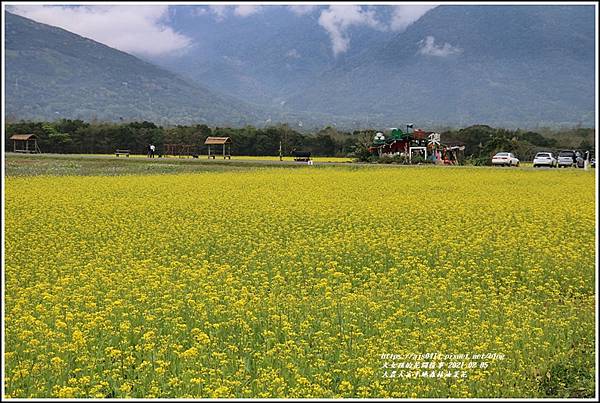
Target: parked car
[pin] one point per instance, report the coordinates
(569, 158)
(544, 159)
(505, 159)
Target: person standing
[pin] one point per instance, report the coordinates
(586, 160)
(152, 150)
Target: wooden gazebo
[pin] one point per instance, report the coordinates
(25, 143)
(224, 141)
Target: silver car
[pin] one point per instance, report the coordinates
(569, 158)
(544, 159)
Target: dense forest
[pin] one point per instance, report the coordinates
(481, 141)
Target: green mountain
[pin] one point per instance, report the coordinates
(52, 73)
(458, 65)
(507, 66)
(512, 66)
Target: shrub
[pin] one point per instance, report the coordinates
(478, 161)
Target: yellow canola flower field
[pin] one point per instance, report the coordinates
(307, 282)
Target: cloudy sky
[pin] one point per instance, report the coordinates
(145, 29)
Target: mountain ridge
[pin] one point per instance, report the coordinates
(60, 69)
(509, 85)
(510, 66)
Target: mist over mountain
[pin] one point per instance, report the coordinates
(511, 66)
(499, 65)
(347, 66)
(265, 56)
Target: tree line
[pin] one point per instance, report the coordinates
(77, 136)
(481, 141)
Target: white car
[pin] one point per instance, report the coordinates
(544, 159)
(505, 159)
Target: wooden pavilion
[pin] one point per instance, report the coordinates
(25, 143)
(224, 141)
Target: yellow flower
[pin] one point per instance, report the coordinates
(292, 282)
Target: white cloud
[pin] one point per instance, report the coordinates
(337, 19)
(199, 11)
(429, 48)
(302, 10)
(403, 16)
(134, 29)
(244, 11)
(220, 12)
(293, 54)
